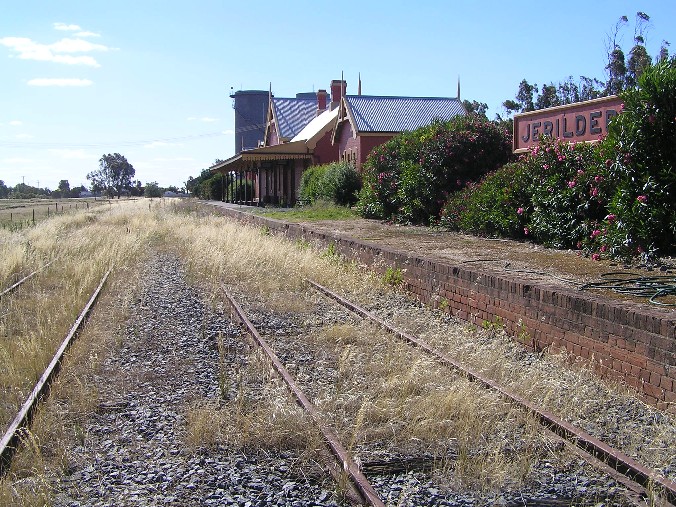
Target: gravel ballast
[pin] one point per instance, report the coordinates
(134, 452)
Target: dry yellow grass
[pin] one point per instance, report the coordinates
(261, 415)
(37, 316)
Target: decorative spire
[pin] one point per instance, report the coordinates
(458, 87)
(359, 86)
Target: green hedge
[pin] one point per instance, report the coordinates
(408, 178)
(338, 183)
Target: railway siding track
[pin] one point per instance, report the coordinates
(615, 459)
(13, 435)
(570, 431)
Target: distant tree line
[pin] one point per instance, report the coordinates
(25, 191)
(112, 178)
(623, 73)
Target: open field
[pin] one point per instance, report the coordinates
(17, 213)
(269, 273)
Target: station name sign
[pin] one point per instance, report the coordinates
(580, 122)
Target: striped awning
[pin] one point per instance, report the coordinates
(296, 150)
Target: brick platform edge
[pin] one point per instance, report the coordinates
(628, 342)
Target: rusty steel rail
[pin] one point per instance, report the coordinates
(12, 437)
(358, 479)
(25, 279)
(647, 478)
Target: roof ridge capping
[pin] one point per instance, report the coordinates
(399, 97)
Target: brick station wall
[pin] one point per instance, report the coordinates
(624, 341)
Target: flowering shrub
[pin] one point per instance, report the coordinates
(616, 198)
(493, 207)
(568, 192)
(409, 177)
(554, 195)
(641, 159)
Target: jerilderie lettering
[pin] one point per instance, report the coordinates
(569, 126)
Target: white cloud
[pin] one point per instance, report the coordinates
(228, 132)
(28, 49)
(23, 136)
(71, 154)
(16, 122)
(87, 34)
(60, 82)
(205, 119)
(75, 46)
(66, 28)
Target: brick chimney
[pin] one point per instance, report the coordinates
(338, 87)
(321, 100)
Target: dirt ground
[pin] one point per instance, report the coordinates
(558, 268)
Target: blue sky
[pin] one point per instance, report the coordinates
(151, 79)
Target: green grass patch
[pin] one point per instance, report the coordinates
(313, 213)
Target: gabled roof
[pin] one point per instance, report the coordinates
(315, 130)
(291, 115)
(397, 114)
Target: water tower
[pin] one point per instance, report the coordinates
(251, 109)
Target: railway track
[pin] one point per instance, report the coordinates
(12, 437)
(640, 481)
(23, 280)
(360, 471)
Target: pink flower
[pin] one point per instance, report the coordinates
(579, 245)
(545, 167)
(595, 233)
(595, 192)
(580, 172)
(598, 179)
(642, 199)
(604, 248)
(571, 184)
(519, 211)
(611, 217)
(596, 257)
(609, 163)
(526, 231)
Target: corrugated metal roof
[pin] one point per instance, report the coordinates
(396, 114)
(293, 114)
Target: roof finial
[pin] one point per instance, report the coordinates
(458, 86)
(359, 86)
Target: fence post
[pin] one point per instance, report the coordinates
(33, 216)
